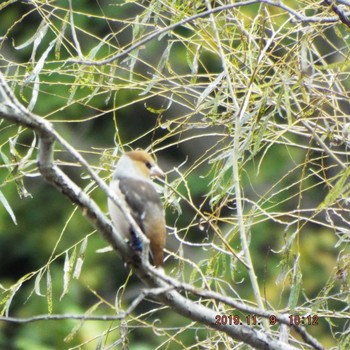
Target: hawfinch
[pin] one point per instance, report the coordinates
(132, 177)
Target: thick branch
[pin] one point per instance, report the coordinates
(13, 111)
(344, 17)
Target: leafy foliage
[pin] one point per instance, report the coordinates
(246, 107)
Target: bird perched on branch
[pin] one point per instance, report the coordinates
(132, 177)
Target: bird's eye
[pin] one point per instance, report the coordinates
(148, 165)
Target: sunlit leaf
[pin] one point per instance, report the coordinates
(80, 260)
(8, 208)
(37, 284)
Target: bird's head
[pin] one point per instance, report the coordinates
(137, 164)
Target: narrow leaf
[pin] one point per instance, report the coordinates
(336, 191)
(36, 38)
(37, 284)
(14, 290)
(210, 88)
(8, 208)
(39, 66)
(296, 286)
(66, 276)
(80, 259)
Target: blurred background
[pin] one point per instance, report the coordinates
(175, 97)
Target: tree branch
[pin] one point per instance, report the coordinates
(203, 14)
(162, 287)
(341, 14)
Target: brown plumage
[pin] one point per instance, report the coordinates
(132, 177)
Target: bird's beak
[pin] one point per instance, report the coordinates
(156, 171)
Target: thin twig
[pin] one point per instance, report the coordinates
(162, 290)
(190, 19)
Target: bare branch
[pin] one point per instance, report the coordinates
(163, 291)
(344, 17)
(203, 14)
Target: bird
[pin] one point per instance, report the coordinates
(132, 178)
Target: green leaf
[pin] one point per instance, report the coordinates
(8, 208)
(336, 191)
(80, 260)
(296, 285)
